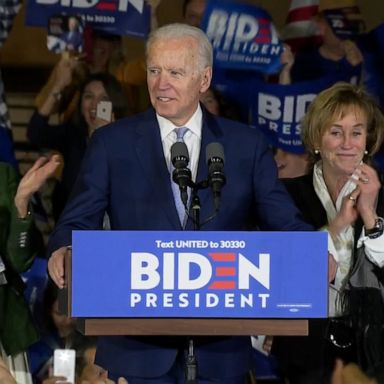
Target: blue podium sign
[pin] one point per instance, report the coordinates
(164, 274)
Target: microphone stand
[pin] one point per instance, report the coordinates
(184, 178)
(191, 362)
(195, 203)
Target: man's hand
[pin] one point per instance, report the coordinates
(56, 266)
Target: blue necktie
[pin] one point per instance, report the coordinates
(180, 132)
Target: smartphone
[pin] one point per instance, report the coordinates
(64, 364)
(104, 110)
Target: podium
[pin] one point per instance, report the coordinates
(173, 326)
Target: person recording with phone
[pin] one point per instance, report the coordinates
(127, 171)
(341, 131)
(71, 138)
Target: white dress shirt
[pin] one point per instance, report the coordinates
(192, 139)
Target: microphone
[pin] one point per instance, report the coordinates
(216, 178)
(181, 175)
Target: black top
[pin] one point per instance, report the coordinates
(70, 141)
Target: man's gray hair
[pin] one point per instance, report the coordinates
(179, 31)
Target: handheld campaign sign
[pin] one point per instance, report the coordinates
(242, 36)
(157, 274)
(120, 17)
(278, 109)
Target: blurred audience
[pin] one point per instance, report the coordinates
(193, 12)
(217, 104)
(9, 10)
(71, 138)
(338, 54)
(290, 164)
(57, 332)
(104, 56)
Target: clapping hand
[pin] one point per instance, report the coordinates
(32, 181)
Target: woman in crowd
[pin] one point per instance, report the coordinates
(70, 138)
(342, 130)
(17, 251)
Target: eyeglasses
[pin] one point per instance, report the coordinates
(339, 333)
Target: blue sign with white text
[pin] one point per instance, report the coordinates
(278, 109)
(242, 36)
(199, 274)
(120, 17)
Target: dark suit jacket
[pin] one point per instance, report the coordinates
(124, 172)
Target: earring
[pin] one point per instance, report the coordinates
(365, 152)
(317, 151)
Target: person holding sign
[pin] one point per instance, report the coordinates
(339, 23)
(71, 137)
(341, 131)
(134, 186)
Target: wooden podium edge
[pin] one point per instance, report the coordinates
(173, 326)
(192, 327)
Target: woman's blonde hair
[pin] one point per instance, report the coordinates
(333, 104)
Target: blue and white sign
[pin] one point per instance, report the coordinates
(278, 109)
(242, 36)
(199, 274)
(120, 17)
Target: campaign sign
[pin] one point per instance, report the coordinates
(278, 109)
(242, 36)
(120, 17)
(199, 274)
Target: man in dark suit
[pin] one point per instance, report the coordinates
(126, 173)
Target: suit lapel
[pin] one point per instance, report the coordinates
(150, 155)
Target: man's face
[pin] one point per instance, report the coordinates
(174, 79)
(194, 12)
(72, 24)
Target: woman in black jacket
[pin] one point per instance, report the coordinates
(342, 130)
